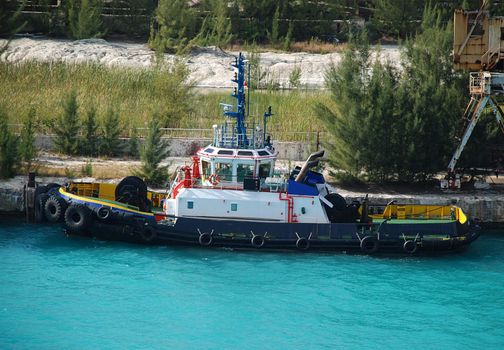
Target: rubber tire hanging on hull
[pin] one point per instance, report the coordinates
(257, 241)
(369, 245)
(148, 233)
(410, 247)
(104, 213)
(54, 208)
(302, 243)
(77, 218)
(205, 239)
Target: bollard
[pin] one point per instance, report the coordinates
(29, 197)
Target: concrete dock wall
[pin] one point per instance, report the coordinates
(488, 207)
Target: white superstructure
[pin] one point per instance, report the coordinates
(246, 205)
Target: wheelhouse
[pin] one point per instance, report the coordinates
(234, 165)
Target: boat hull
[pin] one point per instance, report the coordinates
(380, 236)
(426, 238)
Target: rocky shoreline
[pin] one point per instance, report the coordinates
(209, 66)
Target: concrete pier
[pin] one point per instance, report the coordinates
(485, 206)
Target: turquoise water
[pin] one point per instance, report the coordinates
(58, 292)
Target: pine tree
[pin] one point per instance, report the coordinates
(110, 142)
(346, 121)
(84, 18)
(9, 21)
(66, 127)
(174, 25)
(8, 148)
(396, 17)
(27, 150)
(394, 126)
(152, 152)
(221, 28)
(133, 143)
(274, 36)
(288, 38)
(90, 138)
(435, 100)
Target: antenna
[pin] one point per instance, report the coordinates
(239, 94)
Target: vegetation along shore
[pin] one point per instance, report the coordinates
(387, 119)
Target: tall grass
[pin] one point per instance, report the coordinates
(137, 94)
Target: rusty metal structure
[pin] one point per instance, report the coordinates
(478, 41)
(479, 46)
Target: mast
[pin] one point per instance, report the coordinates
(239, 94)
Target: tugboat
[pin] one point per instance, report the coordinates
(231, 197)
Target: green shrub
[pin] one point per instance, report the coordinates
(152, 152)
(175, 24)
(87, 169)
(84, 19)
(288, 38)
(295, 77)
(133, 144)
(90, 138)
(111, 131)
(390, 125)
(27, 150)
(8, 148)
(66, 126)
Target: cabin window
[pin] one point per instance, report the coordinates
(190, 204)
(209, 150)
(226, 152)
(234, 206)
(225, 171)
(244, 170)
(245, 153)
(263, 153)
(205, 168)
(264, 170)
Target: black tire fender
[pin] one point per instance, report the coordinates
(40, 201)
(302, 243)
(54, 208)
(128, 230)
(148, 233)
(77, 217)
(257, 241)
(104, 213)
(52, 188)
(205, 239)
(369, 244)
(410, 247)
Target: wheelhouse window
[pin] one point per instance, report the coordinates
(263, 153)
(225, 152)
(225, 171)
(243, 171)
(264, 170)
(206, 169)
(245, 153)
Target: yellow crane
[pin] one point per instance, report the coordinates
(478, 45)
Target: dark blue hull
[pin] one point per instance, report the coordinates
(112, 221)
(284, 236)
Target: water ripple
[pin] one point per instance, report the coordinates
(77, 293)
